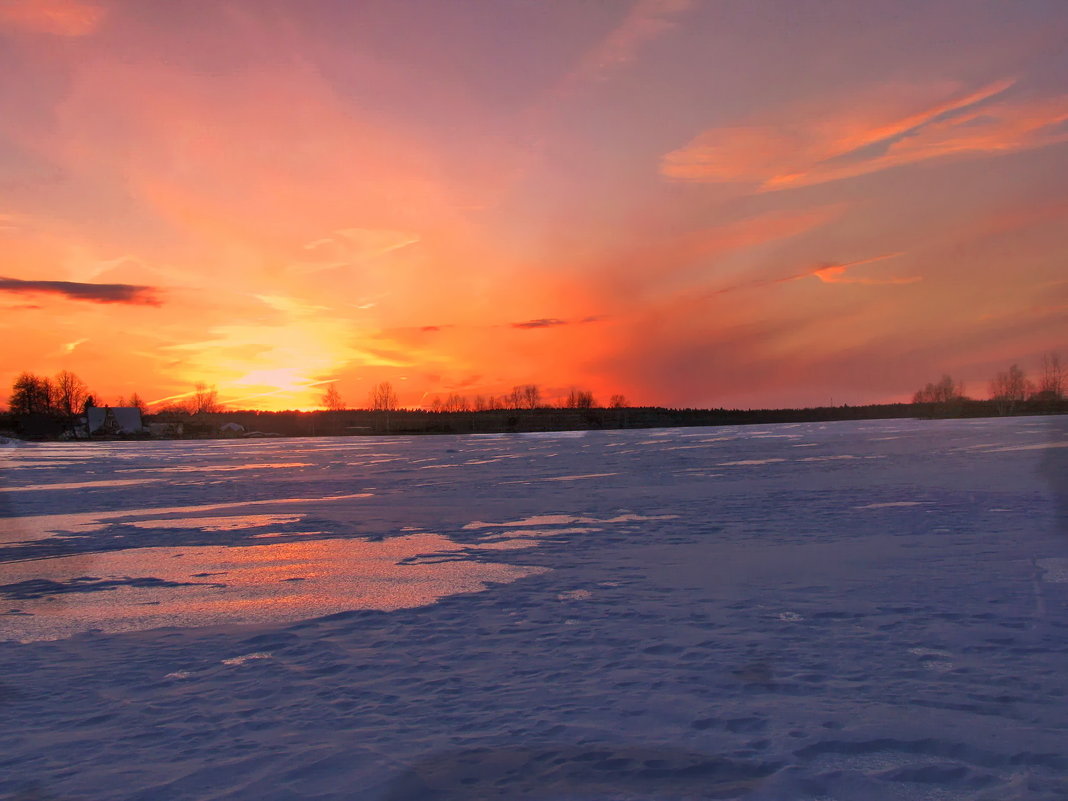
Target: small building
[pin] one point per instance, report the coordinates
(111, 421)
(231, 429)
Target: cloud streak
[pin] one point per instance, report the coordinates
(93, 293)
(861, 137)
(58, 17)
(828, 274)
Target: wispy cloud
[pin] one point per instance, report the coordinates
(94, 293)
(553, 322)
(57, 17)
(544, 322)
(352, 246)
(863, 137)
(828, 273)
(838, 274)
(646, 20)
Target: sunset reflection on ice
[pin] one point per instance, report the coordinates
(206, 586)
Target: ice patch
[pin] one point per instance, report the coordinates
(240, 660)
(931, 659)
(1039, 447)
(511, 544)
(82, 485)
(563, 520)
(257, 586)
(563, 478)
(749, 462)
(233, 523)
(574, 595)
(38, 527)
(891, 504)
(215, 468)
(553, 434)
(15, 463)
(538, 533)
(1054, 570)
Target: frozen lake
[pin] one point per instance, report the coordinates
(871, 610)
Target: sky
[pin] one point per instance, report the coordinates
(699, 203)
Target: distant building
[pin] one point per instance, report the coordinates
(166, 429)
(231, 429)
(110, 421)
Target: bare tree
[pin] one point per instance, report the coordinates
(382, 398)
(946, 390)
(529, 396)
(1009, 388)
(71, 393)
(618, 402)
(455, 403)
(580, 399)
(136, 402)
(480, 404)
(1051, 384)
(514, 399)
(205, 400)
(331, 399)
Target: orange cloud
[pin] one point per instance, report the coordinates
(646, 20)
(58, 17)
(828, 274)
(868, 136)
(838, 273)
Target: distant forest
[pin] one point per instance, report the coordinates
(49, 407)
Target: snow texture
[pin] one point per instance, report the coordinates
(871, 611)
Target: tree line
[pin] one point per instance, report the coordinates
(67, 395)
(61, 395)
(382, 397)
(1007, 389)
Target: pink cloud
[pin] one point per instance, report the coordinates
(58, 17)
(868, 135)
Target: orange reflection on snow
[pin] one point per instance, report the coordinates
(216, 585)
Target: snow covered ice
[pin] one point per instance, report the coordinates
(866, 611)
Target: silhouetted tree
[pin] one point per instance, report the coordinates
(514, 399)
(136, 401)
(580, 399)
(480, 404)
(382, 398)
(205, 400)
(945, 391)
(529, 396)
(70, 392)
(1009, 388)
(331, 399)
(1051, 383)
(455, 403)
(32, 394)
(618, 402)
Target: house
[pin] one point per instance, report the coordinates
(110, 421)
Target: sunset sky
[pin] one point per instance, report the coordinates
(693, 203)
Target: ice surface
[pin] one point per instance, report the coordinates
(698, 613)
